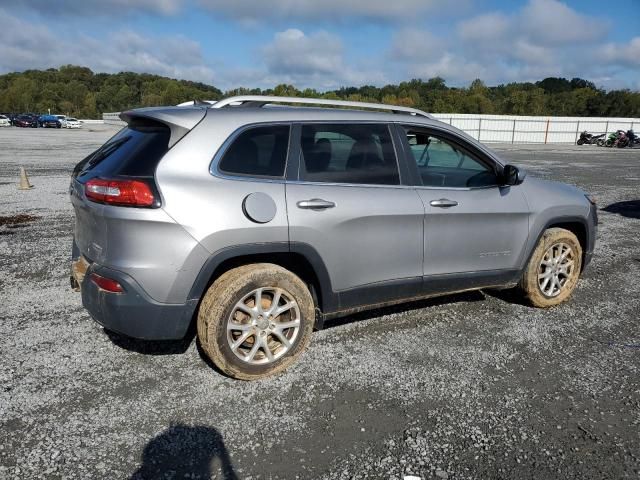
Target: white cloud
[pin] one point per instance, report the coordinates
(552, 22)
(103, 7)
(295, 53)
(623, 54)
(315, 60)
(327, 10)
(415, 44)
(24, 45)
(449, 67)
(544, 38)
(486, 28)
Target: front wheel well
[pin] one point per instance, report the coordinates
(578, 229)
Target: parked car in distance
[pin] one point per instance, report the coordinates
(72, 123)
(49, 121)
(62, 119)
(4, 121)
(259, 223)
(26, 121)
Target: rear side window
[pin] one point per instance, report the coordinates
(133, 152)
(341, 153)
(258, 151)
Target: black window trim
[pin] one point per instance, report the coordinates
(466, 147)
(81, 168)
(293, 174)
(214, 166)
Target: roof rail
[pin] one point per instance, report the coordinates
(196, 102)
(262, 100)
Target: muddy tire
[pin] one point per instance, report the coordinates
(255, 320)
(553, 269)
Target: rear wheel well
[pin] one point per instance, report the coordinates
(294, 262)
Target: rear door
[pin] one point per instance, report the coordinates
(472, 224)
(348, 202)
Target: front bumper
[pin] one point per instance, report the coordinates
(591, 235)
(132, 313)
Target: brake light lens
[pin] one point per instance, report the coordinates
(129, 193)
(106, 284)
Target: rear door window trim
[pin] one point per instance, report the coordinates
(294, 178)
(215, 171)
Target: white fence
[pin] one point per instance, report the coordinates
(112, 119)
(511, 128)
(522, 129)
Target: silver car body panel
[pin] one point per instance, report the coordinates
(486, 230)
(359, 238)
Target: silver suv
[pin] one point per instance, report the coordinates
(259, 221)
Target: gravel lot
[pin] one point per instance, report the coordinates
(467, 386)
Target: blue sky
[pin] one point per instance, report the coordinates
(326, 44)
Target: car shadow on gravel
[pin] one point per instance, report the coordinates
(630, 209)
(152, 347)
(509, 295)
(472, 296)
(183, 451)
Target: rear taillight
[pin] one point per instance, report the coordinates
(129, 193)
(106, 284)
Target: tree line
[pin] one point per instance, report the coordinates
(79, 92)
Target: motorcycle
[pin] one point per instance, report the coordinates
(616, 139)
(589, 138)
(622, 141)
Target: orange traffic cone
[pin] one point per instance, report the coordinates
(24, 180)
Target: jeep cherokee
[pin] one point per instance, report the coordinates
(260, 221)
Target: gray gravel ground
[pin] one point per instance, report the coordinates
(467, 386)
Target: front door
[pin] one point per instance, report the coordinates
(472, 225)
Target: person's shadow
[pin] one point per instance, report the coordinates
(182, 451)
(630, 208)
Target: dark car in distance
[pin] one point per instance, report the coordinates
(49, 121)
(25, 121)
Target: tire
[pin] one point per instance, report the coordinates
(227, 303)
(600, 143)
(554, 241)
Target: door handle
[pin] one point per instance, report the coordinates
(443, 203)
(315, 204)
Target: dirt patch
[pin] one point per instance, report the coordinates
(14, 221)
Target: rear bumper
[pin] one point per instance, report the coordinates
(133, 313)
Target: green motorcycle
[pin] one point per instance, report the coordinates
(615, 139)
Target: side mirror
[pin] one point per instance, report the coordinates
(512, 175)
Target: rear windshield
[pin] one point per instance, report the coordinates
(133, 152)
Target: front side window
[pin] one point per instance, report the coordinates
(442, 163)
(347, 153)
(258, 151)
